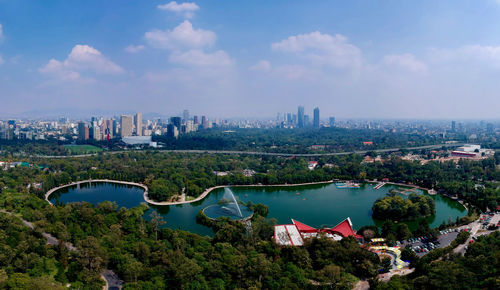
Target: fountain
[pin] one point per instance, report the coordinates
(227, 207)
(228, 194)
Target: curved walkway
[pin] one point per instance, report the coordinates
(208, 190)
(47, 195)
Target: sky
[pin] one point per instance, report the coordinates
(251, 59)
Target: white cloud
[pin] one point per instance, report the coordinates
(182, 36)
(483, 53)
(322, 49)
(469, 54)
(198, 57)
(81, 58)
(262, 65)
(406, 61)
(187, 9)
(134, 48)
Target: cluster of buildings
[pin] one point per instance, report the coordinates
(135, 125)
(302, 120)
(296, 233)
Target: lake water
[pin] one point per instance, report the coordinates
(315, 205)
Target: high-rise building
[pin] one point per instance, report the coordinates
(316, 118)
(172, 131)
(127, 125)
(96, 132)
(332, 122)
(453, 126)
(300, 117)
(195, 120)
(176, 121)
(83, 131)
(185, 116)
(204, 122)
(138, 124)
(108, 129)
(306, 121)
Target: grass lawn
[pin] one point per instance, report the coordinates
(82, 149)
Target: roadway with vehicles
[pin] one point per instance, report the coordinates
(260, 153)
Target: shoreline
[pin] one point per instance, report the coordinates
(208, 190)
(52, 190)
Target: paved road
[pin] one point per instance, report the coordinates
(113, 282)
(262, 153)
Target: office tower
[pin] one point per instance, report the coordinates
(185, 116)
(108, 129)
(300, 117)
(332, 122)
(115, 127)
(176, 121)
(83, 131)
(489, 128)
(127, 125)
(453, 126)
(96, 132)
(195, 120)
(289, 118)
(316, 118)
(204, 123)
(190, 127)
(138, 124)
(172, 131)
(306, 121)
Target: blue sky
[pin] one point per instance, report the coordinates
(373, 59)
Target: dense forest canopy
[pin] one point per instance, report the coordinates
(397, 208)
(148, 256)
(260, 140)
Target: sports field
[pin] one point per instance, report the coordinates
(82, 149)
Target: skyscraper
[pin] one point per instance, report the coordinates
(332, 122)
(300, 117)
(176, 121)
(195, 120)
(138, 124)
(453, 126)
(83, 131)
(185, 116)
(204, 123)
(316, 118)
(127, 125)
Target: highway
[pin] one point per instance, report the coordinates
(195, 151)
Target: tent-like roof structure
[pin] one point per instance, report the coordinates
(303, 227)
(344, 228)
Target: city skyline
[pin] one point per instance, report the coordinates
(378, 60)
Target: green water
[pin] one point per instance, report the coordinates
(315, 205)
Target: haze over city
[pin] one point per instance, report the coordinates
(376, 59)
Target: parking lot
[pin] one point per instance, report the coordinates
(488, 220)
(422, 245)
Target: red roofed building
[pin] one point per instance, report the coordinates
(286, 235)
(345, 229)
(303, 228)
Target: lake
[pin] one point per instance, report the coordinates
(316, 205)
